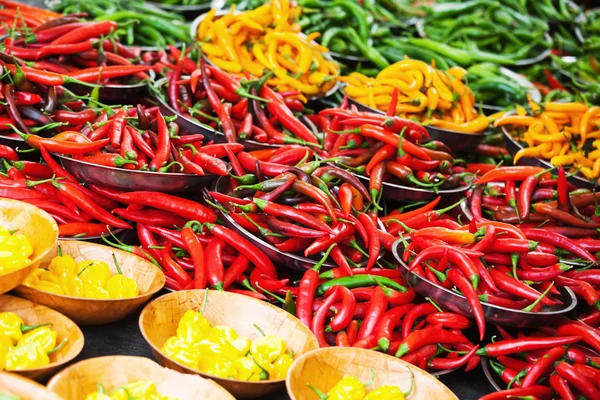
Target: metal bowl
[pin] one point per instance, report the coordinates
(394, 191)
(493, 314)
(514, 146)
(456, 141)
(192, 126)
(220, 13)
(114, 93)
(132, 180)
(492, 378)
(290, 260)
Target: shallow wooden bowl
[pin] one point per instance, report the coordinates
(82, 378)
(323, 368)
(35, 314)
(160, 318)
(149, 278)
(24, 389)
(39, 227)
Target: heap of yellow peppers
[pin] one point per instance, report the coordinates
(25, 347)
(221, 352)
(140, 390)
(15, 251)
(268, 39)
(90, 279)
(426, 94)
(566, 134)
(350, 388)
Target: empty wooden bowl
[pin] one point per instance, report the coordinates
(39, 227)
(82, 378)
(35, 314)
(160, 318)
(24, 389)
(149, 278)
(325, 367)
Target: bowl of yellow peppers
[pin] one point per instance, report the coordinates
(35, 341)
(244, 344)
(360, 374)
(91, 283)
(27, 236)
(126, 377)
(22, 388)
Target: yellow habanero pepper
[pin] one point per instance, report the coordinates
(95, 292)
(218, 347)
(97, 396)
(46, 286)
(14, 252)
(93, 272)
(119, 286)
(348, 388)
(30, 355)
(5, 346)
(193, 327)
(224, 332)
(385, 393)
(247, 369)
(266, 349)
(217, 366)
(62, 263)
(70, 284)
(181, 351)
(43, 335)
(11, 326)
(281, 366)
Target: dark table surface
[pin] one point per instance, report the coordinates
(124, 338)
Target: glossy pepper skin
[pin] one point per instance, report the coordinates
(15, 251)
(27, 356)
(348, 388)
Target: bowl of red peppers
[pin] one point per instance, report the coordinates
(145, 151)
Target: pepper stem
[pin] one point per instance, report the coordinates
(412, 383)
(117, 264)
(27, 328)
(324, 258)
(433, 303)
(322, 396)
(60, 346)
(276, 297)
(535, 303)
(259, 330)
(204, 301)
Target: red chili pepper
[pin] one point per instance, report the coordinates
(54, 146)
(214, 263)
(587, 334)
(561, 387)
(377, 306)
(112, 71)
(390, 319)
(578, 380)
(412, 315)
(301, 217)
(432, 335)
(395, 124)
(183, 207)
(455, 255)
(374, 243)
(448, 320)
(318, 321)
(209, 163)
(88, 31)
(559, 241)
(553, 82)
(514, 346)
(196, 250)
(542, 365)
(108, 160)
(341, 231)
(151, 217)
(562, 190)
(345, 198)
(286, 117)
(564, 217)
(516, 287)
(467, 290)
(82, 228)
(171, 268)
(218, 107)
(438, 363)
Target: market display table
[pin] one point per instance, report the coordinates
(124, 338)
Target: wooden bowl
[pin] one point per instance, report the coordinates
(24, 389)
(82, 378)
(35, 314)
(160, 318)
(149, 278)
(39, 227)
(323, 368)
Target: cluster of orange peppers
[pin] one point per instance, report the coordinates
(268, 39)
(429, 95)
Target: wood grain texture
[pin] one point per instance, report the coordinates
(39, 227)
(159, 320)
(149, 278)
(35, 314)
(24, 388)
(80, 379)
(323, 368)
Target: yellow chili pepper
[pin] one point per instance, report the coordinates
(5, 346)
(566, 107)
(93, 272)
(348, 388)
(385, 393)
(281, 366)
(567, 159)
(479, 124)
(247, 369)
(225, 40)
(204, 25)
(43, 335)
(14, 251)
(27, 356)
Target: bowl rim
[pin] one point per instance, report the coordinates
(48, 217)
(194, 371)
(127, 299)
(75, 328)
(377, 111)
(567, 291)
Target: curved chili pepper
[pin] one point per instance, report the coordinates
(540, 367)
(107, 159)
(513, 346)
(455, 255)
(183, 207)
(432, 335)
(171, 268)
(467, 290)
(578, 380)
(517, 288)
(56, 168)
(560, 242)
(412, 315)
(437, 363)
(196, 250)
(345, 313)
(82, 228)
(448, 320)
(517, 173)
(374, 243)
(301, 217)
(377, 306)
(561, 387)
(316, 194)
(318, 320)
(588, 335)
(344, 195)
(340, 232)
(390, 319)
(151, 217)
